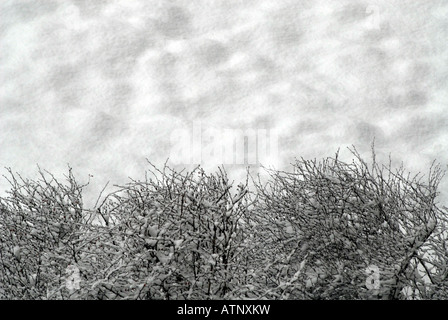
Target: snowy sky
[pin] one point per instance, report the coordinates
(102, 85)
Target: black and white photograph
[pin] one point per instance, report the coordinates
(241, 151)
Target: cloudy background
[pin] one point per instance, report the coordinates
(102, 85)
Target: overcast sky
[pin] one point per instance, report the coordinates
(103, 85)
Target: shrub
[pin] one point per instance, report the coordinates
(42, 224)
(331, 224)
(174, 236)
(326, 230)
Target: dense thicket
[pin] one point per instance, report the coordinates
(326, 230)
